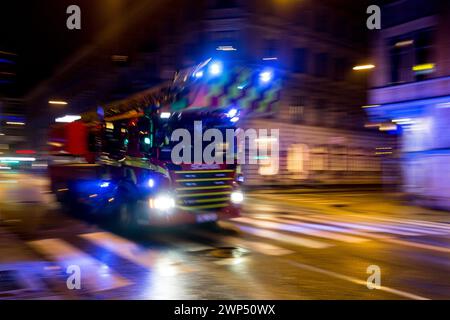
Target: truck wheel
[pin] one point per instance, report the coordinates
(126, 217)
(210, 226)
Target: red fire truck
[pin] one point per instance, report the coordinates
(123, 168)
(121, 153)
(116, 162)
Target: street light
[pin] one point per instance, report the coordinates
(364, 67)
(57, 102)
(68, 119)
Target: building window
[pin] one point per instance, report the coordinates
(410, 50)
(322, 112)
(321, 64)
(298, 161)
(270, 48)
(296, 114)
(320, 21)
(319, 155)
(423, 51)
(339, 27)
(224, 38)
(300, 60)
(338, 158)
(225, 4)
(340, 69)
(402, 61)
(303, 18)
(296, 110)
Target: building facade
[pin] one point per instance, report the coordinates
(312, 46)
(411, 90)
(13, 113)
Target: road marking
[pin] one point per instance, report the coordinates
(293, 240)
(418, 245)
(357, 226)
(260, 247)
(301, 229)
(400, 225)
(322, 225)
(123, 248)
(381, 237)
(421, 223)
(144, 257)
(355, 280)
(95, 275)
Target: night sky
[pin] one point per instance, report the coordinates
(36, 31)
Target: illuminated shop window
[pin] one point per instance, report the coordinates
(338, 158)
(298, 161)
(319, 159)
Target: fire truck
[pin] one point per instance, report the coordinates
(115, 162)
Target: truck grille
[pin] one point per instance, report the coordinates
(203, 190)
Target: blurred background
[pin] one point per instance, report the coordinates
(332, 132)
(362, 113)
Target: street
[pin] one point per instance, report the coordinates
(302, 244)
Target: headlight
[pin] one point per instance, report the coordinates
(237, 197)
(163, 203)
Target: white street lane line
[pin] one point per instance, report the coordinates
(126, 249)
(443, 227)
(419, 245)
(439, 225)
(320, 226)
(336, 275)
(260, 247)
(358, 226)
(277, 236)
(95, 275)
(384, 238)
(399, 227)
(301, 229)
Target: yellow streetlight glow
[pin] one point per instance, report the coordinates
(363, 67)
(404, 43)
(57, 102)
(15, 123)
(423, 67)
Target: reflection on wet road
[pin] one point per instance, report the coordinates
(285, 246)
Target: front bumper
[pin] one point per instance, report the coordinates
(151, 217)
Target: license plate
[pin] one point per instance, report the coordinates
(206, 217)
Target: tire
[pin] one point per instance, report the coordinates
(126, 215)
(210, 226)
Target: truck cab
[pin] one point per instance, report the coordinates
(136, 178)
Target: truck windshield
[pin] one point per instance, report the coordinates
(187, 121)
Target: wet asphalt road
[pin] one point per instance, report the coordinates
(308, 245)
